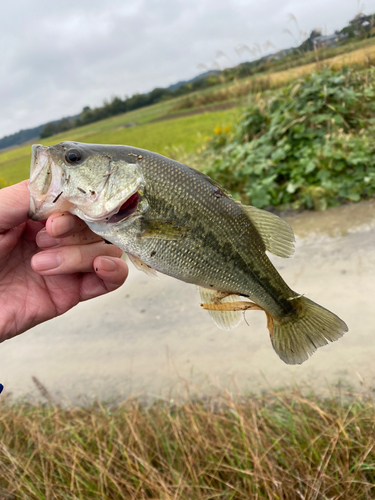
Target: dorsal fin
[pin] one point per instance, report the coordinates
(276, 234)
(226, 320)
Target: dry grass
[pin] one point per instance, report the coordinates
(278, 446)
(358, 59)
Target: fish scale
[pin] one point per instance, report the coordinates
(174, 219)
(210, 248)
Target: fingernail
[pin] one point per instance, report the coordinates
(62, 224)
(44, 240)
(107, 264)
(45, 261)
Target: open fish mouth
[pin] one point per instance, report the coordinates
(53, 187)
(126, 209)
(44, 185)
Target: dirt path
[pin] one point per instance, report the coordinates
(152, 338)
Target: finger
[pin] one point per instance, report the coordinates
(14, 203)
(84, 237)
(71, 259)
(32, 229)
(64, 224)
(110, 274)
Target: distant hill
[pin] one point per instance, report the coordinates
(21, 137)
(195, 79)
(28, 134)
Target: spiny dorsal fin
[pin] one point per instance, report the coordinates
(226, 320)
(141, 266)
(276, 234)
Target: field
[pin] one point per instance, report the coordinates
(279, 446)
(359, 58)
(165, 137)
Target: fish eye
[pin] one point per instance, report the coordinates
(73, 156)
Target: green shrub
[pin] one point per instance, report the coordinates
(309, 145)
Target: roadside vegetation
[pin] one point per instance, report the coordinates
(278, 446)
(309, 145)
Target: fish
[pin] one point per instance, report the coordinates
(173, 219)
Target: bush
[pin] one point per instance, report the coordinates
(309, 145)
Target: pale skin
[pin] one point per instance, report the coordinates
(46, 268)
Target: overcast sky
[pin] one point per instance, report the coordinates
(57, 56)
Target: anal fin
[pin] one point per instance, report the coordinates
(226, 320)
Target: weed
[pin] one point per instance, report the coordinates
(308, 146)
(278, 446)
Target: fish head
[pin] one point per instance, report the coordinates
(97, 183)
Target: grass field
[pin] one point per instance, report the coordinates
(164, 137)
(281, 446)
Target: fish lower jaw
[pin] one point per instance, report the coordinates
(41, 209)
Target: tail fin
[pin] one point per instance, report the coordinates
(297, 338)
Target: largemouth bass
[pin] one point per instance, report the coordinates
(171, 218)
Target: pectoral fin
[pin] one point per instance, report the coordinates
(276, 234)
(141, 266)
(163, 229)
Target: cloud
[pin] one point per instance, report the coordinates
(60, 56)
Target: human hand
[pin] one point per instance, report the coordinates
(46, 268)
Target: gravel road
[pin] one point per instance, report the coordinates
(151, 338)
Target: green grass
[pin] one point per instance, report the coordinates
(279, 446)
(164, 137)
(309, 145)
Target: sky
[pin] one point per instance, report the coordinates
(58, 56)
